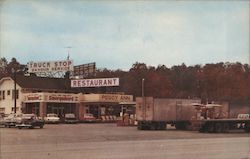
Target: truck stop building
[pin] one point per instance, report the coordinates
(42, 95)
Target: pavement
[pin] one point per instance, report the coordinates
(107, 141)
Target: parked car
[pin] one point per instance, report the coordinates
(52, 118)
(70, 119)
(89, 118)
(30, 121)
(1, 120)
(12, 119)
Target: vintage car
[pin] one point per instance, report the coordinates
(52, 119)
(70, 118)
(12, 119)
(1, 120)
(30, 121)
(88, 118)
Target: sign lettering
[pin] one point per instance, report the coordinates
(99, 82)
(50, 66)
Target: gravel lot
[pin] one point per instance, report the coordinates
(110, 141)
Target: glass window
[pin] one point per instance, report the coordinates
(8, 92)
(3, 95)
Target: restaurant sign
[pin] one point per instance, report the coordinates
(98, 82)
(50, 66)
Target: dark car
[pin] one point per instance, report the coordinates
(70, 119)
(30, 121)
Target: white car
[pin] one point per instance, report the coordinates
(12, 119)
(52, 118)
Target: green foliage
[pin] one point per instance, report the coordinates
(220, 81)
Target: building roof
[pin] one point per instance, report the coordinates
(42, 83)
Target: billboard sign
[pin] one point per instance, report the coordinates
(84, 70)
(50, 66)
(98, 82)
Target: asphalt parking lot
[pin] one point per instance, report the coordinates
(109, 141)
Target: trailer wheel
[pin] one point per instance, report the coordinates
(202, 129)
(218, 127)
(210, 128)
(152, 127)
(247, 127)
(160, 126)
(139, 126)
(225, 127)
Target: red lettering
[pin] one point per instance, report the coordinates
(65, 63)
(100, 82)
(110, 82)
(104, 82)
(78, 83)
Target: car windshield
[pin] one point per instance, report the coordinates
(52, 115)
(69, 115)
(28, 116)
(88, 115)
(14, 115)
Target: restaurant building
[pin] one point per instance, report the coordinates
(42, 95)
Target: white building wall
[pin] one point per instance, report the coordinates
(8, 103)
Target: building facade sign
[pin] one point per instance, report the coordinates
(50, 66)
(98, 82)
(62, 98)
(34, 97)
(51, 98)
(116, 98)
(75, 98)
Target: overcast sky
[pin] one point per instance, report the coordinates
(116, 34)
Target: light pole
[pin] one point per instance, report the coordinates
(14, 72)
(142, 87)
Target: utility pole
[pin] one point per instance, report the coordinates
(15, 92)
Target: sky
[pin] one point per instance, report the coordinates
(117, 34)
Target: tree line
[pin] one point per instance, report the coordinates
(210, 82)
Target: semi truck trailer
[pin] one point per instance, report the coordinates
(186, 114)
